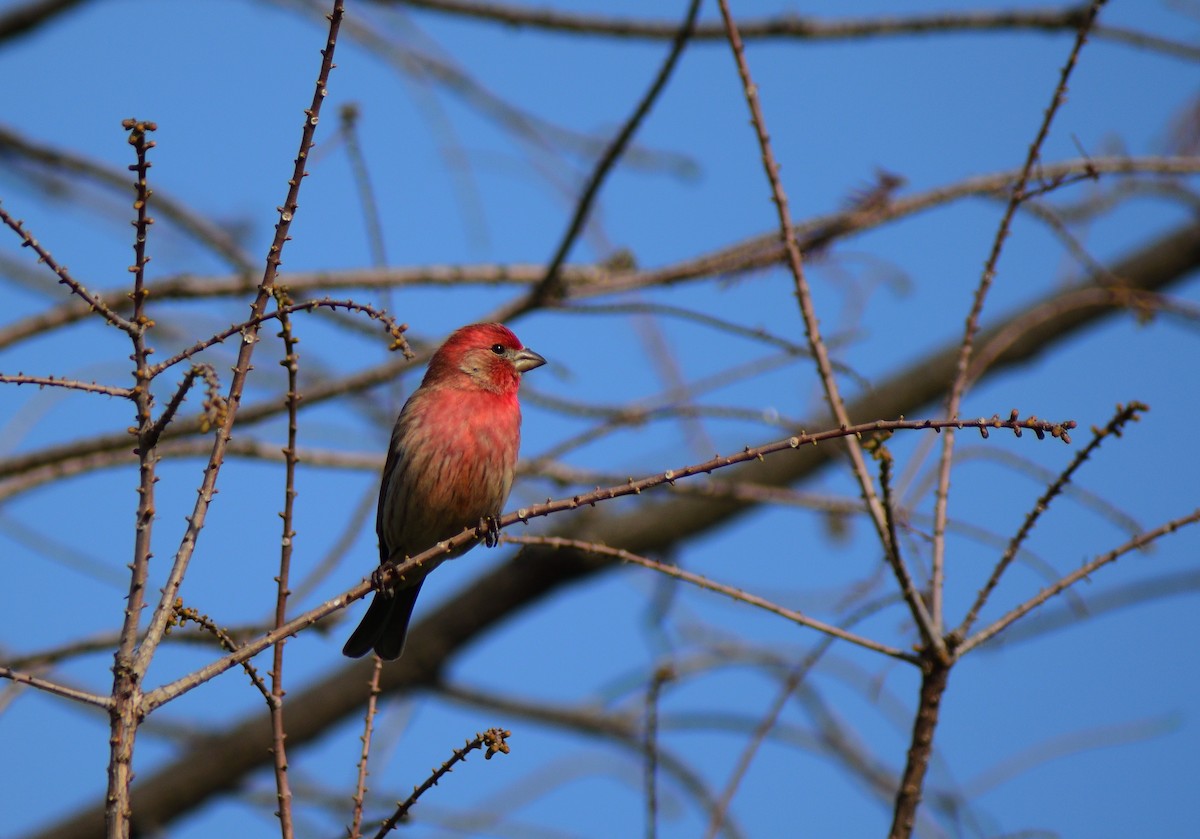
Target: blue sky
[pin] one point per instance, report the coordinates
(1099, 720)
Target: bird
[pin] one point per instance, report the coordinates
(449, 466)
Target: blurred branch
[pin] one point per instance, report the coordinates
(186, 219)
(1069, 744)
(790, 682)
(1133, 593)
(550, 287)
(796, 27)
(540, 134)
(592, 281)
(21, 20)
(196, 447)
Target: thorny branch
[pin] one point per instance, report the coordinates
(961, 379)
(1138, 542)
(938, 658)
(127, 676)
(290, 362)
(360, 784)
(1125, 415)
(494, 741)
(389, 573)
(817, 346)
(94, 302)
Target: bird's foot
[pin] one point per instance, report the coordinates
(491, 531)
(379, 580)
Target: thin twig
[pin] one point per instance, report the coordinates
(496, 741)
(550, 288)
(710, 585)
(959, 385)
(95, 302)
(1089, 568)
(69, 384)
(205, 371)
(394, 329)
(360, 784)
(1125, 414)
(283, 790)
(105, 702)
(892, 549)
(660, 677)
(125, 717)
(185, 614)
(811, 325)
(246, 350)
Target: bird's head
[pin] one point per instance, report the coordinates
(483, 355)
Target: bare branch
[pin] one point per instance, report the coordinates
(69, 384)
(1069, 580)
(496, 741)
(557, 542)
(1125, 414)
(804, 28)
(962, 370)
(65, 692)
(816, 343)
(95, 302)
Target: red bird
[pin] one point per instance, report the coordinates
(450, 465)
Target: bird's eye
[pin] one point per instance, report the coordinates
(498, 349)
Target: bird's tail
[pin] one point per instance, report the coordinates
(385, 624)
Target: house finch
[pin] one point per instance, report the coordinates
(449, 466)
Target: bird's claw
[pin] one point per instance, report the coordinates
(491, 531)
(378, 580)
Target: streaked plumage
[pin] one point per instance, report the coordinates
(450, 464)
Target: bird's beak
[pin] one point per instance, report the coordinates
(525, 360)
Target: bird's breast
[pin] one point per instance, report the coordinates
(454, 463)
